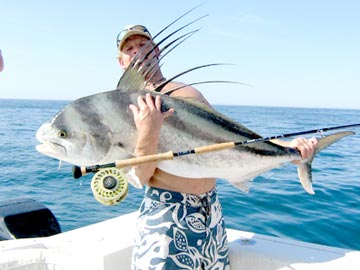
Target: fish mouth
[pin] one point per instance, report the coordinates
(51, 149)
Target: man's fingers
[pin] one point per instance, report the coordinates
(168, 113)
(149, 101)
(134, 109)
(158, 102)
(306, 147)
(148, 104)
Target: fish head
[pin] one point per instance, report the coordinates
(74, 140)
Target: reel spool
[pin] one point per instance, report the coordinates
(109, 186)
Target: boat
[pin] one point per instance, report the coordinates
(107, 245)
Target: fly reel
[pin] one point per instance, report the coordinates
(109, 186)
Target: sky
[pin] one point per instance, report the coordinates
(302, 53)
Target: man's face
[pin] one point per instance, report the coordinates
(132, 46)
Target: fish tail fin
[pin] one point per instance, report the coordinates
(305, 176)
(304, 168)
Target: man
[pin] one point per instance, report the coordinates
(180, 225)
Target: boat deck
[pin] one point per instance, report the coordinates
(108, 245)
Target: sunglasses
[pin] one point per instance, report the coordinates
(122, 34)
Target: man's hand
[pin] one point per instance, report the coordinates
(306, 147)
(148, 117)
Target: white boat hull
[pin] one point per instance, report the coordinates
(107, 246)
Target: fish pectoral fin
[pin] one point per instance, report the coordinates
(304, 168)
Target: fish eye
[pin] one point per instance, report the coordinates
(62, 134)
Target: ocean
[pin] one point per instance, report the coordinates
(276, 205)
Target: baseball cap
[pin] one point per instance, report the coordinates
(129, 31)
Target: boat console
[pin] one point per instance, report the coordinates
(26, 218)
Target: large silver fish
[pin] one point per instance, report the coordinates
(100, 129)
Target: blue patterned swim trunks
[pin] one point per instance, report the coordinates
(180, 231)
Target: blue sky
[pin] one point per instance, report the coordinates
(292, 53)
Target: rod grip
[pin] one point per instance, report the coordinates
(214, 147)
(145, 159)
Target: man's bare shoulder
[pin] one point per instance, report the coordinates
(185, 91)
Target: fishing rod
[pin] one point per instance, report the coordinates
(80, 171)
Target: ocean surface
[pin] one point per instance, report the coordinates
(276, 205)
